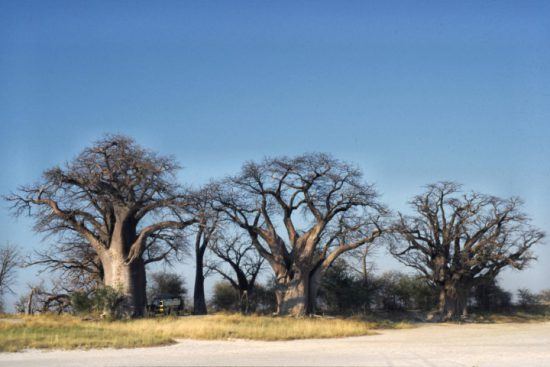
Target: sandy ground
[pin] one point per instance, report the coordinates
(428, 345)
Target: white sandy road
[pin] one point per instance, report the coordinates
(428, 345)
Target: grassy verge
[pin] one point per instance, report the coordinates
(68, 332)
(518, 315)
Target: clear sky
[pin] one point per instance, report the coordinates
(411, 91)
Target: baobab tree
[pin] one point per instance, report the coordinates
(457, 240)
(301, 214)
(244, 264)
(120, 199)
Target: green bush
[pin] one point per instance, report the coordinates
(81, 303)
(263, 299)
(490, 297)
(163, 283)
(225, 297)
(396, 291)
(342, 292)
(106, 301)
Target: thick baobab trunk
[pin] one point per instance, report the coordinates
(293, 295)
(129, 279)
(314, 285)
(298, 296)
(453, 302)
(199, 302)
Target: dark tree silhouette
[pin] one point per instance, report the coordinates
(457, 240)
(208, 222)
(9, 261)
(120, 199)
(244, 266)
(76, 262)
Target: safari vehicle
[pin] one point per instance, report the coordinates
(166, 304)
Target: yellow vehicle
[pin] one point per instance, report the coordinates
(166, 304)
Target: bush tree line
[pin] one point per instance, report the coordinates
(391, 293)
(118, 207)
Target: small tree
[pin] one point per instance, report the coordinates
(225, 297)
(456, 240)
(167, 283)
(205, 229)
(9, 261)
(360, 262)
(244, 263)
(527, 298)
(28, 303)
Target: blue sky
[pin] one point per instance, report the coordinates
(413, 92)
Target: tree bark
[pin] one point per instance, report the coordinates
(244, 299)
(29, 310)
(453, 302)
(314, 285)
(298, 297)
(292, 294)
(129, 279)
(199, 302)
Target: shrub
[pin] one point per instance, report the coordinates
(400, 292)
(225, 297)
(489, 296)
(105, 301)
(263, 298)
(81, 303)
(162, 283)
(544, 296)
(342, 293)
(527, 299)
(108, 300)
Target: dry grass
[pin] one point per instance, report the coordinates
(68, 332)
(535, 314)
